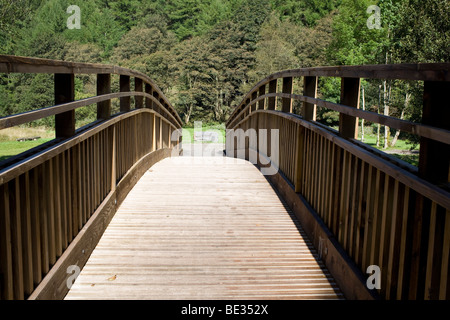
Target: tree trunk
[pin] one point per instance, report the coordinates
(378, 111)
(402, 115)
(362, 120)
(386, 96)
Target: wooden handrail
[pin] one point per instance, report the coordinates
(358, 204)
(49, 194)
(419, 129)
(418, 72)
(17, 64)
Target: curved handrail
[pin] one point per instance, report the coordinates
(17, 64)
(76, 181)
(421, 71)
(348, 196)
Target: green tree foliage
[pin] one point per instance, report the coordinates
(206, 54)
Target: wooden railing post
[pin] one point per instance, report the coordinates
(286, 103)
(154, 105)
(64, 92)
(103, 87)
(261, 92)
(138, 86)
(434, 158)
(348, 125)
(309, 90)
(124, 87)
(272, 101)
(148, 101)
(254, 96)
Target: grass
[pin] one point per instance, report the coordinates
(402, 149)
(9, 146)
(188, 133)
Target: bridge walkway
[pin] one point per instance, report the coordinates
(204, 228)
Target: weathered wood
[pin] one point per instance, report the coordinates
(138, 87)
(259, 254)
(261, 92)
(103, 87)
(272, 101)
(434, 158)
(64, 92)
(286, 103)
(309, 89)
(348, 125)
(6, 265)
(54, 284)
(124, 83)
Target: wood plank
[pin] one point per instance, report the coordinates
(310, 90)
(64, 92)
(168, 253)
(6, 265)
(16, 239)
(27, 246)
(35, 226)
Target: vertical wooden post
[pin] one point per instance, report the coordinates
(300, 132)
(348, 125)
(434, 158)
(64, 92)
(154, 104)
(103, 87)
(160, 133)
(254, 96)
(286, 103)
(309, 90)
(272, 101)
(262, 103)
(124, 87)
(138, 86)
(148, 101)
(113, 159)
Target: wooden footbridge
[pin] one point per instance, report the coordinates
(291, 210)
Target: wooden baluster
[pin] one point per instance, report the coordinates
(124, 87)
(64, 92)
(309, 90)
(348, 125)
(286, 103)
(6, 264)
(103, 87)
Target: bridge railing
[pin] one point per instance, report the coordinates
(57, 198)
(381, 211)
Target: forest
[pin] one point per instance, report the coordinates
(206, 54)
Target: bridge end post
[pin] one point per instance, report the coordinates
(348, 125)
(124, 87)
(103, 87)
(310, 90)
(64, 92)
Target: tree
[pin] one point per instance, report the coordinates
(306, 12)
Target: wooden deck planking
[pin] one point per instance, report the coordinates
(204, 228)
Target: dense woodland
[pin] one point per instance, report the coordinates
(206, 54)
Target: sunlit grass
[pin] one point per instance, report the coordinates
(9, 146)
